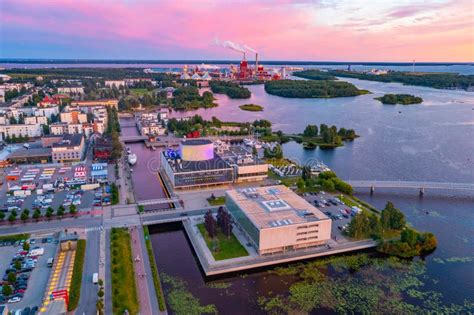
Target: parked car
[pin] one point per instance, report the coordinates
(14, 300)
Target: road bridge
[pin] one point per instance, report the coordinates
(131, 139)
(149, 202)
(421, 186)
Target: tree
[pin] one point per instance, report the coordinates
(60, 211)
(11, 277)
(210, 224)
(300, 183)
(359, 226)
(12, 217)
(306, 173)
(25, 214)
(49, 213)
(2, 216)
(36, 214)
(328, 185)
(17, 265)
(72, 209)
(26, 246)
(310, 131)
(392, 218)
(7, 290)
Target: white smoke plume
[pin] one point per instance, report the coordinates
(234, 46)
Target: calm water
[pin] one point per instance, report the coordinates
(429, 142)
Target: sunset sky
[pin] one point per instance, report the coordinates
(324, 30)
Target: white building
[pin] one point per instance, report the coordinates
(21, 130)
(114, 83)
(71, 90)
(73, 117)
(47, 111)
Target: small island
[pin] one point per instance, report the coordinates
(312, 88)
(251, 107)
(314, 75)
(231, 89)
(404, 99)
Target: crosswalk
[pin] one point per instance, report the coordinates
(93, 228)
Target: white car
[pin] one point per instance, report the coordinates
(14, 300)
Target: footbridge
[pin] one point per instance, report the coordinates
(421, 186)
(130, 139)
(150, 202)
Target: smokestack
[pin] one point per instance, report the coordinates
(256, 62)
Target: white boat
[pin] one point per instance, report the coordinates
(132, 159)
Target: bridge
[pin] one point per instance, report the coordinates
(130, 139)
(372, 184)
(150, 202)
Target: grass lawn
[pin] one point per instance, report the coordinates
(228, 247)
(139, 92)
(218, 201)
(124, 290)
(14, 238)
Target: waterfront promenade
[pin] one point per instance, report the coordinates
(212, 267)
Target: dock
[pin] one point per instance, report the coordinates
(212, 267)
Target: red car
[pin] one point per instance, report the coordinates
(19, 291)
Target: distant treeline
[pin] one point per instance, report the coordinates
(438, 80)
(231, 89)
(103, 73)
(404, 99)
(312, 89)
(314, 75)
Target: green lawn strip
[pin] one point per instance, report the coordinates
(124, 290)
(228, 247)
(140, 92)
(14, 238)
(154, 270)
(77, 273)
(354, 201)
(218, 201)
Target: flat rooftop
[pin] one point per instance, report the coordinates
(69, 141)
(236, 154)
(196, 142)
(215, 163)
(275, 206)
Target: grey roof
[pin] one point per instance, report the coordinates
(215, 163)
(69, 141)
(196, 142)
(32, 152)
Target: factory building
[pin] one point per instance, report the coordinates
(200, 163)
(276, 220)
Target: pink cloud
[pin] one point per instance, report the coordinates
(282, 30)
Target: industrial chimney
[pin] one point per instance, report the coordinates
(256, 62)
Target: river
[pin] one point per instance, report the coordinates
(433, 141)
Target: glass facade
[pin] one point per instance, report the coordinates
(243, 221)
(211, 177)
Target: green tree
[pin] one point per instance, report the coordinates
(72, 209)
(36, 214)
(17, 265)
(359, 227)
(26, 246)
(49, 212)
(2, 216)
(328, 185)
(11, 277)
(306, 173)
(392, 218)
(7, 290)
(300, 183)
(60, 211)
(25, 214)
(12, 217)
(409, 236)
(310, 131)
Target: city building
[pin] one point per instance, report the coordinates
(275, 219)
(35, 153)
(2, 95)
(73, 117)
(20, 130)
(70, 149)
(48, 102)
(247, 167)
(200, 162)
(73, 89)
(195, 165)
(102, 148)
(149, 124)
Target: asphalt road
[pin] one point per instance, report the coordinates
(91, 265)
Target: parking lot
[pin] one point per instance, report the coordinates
(40, 187)
(333, 208)
(35, 280)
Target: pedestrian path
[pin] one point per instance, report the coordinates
(140, 275)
